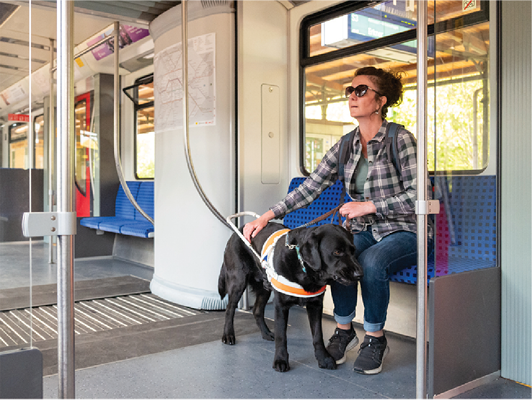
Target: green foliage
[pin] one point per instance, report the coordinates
(452, 129)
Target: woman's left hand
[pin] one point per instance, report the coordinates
(357, 209)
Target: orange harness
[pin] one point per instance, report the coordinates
(279, 282)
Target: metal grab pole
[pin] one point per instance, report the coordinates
(65, 197)
(421, 341)
(51, 149)
(190, 164)
(116, 124)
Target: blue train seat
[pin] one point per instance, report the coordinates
(127, 220)
(471, 222)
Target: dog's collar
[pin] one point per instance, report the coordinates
(279, 282)
(296, 247)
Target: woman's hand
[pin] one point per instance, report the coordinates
(252, 228)
(357, 209)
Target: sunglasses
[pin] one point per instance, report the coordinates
(360, 90)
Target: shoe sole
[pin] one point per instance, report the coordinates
(350, 346)
(376, 370)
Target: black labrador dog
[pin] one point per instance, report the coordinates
(326, 253)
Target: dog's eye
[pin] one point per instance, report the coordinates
(338, 253)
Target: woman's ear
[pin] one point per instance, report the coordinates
(383, 101)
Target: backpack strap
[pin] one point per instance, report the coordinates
(345, 152)
(391, 145)
(346, 147)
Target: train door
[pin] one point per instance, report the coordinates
(460, 154)
(463, 155)
(85, 143)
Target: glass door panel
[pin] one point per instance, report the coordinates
(459, 145)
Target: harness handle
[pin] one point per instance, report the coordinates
(237, 231)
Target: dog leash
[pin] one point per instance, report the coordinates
(327, 215)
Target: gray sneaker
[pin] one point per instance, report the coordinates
(340, 343)
(371, 355)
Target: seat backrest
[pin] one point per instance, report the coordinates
(473, 208)
(123, 207)
(145, 200)
(329, 199)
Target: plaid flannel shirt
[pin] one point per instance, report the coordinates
(394, 197)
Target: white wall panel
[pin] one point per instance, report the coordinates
(263, 58)
(189, 240)
(516, 182)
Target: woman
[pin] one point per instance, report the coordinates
(382, 213)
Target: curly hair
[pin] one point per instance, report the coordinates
(388, 84)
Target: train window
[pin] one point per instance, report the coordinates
(18, 145)
(142, 96)
(458, 60)
(38, 154)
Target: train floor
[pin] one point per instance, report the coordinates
(184, 357)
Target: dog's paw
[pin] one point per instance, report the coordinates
(228, 339)
(268, 336)
(281, 365)
(327, 363)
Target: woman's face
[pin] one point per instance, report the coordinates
(366, 105)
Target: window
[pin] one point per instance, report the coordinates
(141, 93)
(38, 154)
(338, 41)
(18, 145)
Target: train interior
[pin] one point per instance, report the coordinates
(266, 100)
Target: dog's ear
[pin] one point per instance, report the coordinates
(309, 251)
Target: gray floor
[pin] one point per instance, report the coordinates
(15, 266)
(214, 370)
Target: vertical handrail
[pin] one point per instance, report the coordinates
(65, 197)
(116, 124)
(421, 123)
(51, 149)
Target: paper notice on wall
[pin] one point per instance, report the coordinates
(13, 94)
(168, 85)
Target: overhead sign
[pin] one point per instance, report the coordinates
(18, 117)
(370, 24)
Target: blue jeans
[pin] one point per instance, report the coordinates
(378, 260)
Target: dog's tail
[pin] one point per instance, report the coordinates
(221, 282)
